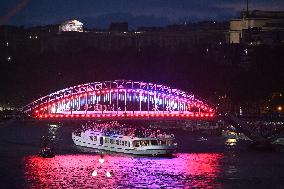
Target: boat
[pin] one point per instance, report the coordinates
(46, 152)
(228, 134)
(127, 140)
(46, 148)
(279, 141)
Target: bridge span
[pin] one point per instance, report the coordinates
(120, 99)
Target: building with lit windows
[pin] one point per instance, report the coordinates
(258, 27)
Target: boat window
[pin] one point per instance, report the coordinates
(126, 143)
(91, 137)
(111, 141)
(94, 138)
(117, 142)
(169, 142)
(154, 142)
(145, 143)
(161, 142)
(122, 143)
(106, 140)
(136, 143)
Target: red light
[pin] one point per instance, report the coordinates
(36, 111)
(66, 115)
(45, 116)
(40, 116)
(93, 115)
(82, 115)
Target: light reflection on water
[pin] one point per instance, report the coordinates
(75, 171)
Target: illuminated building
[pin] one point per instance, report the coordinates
(257, 27)
(71, 26)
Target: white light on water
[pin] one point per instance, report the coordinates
(101, 160)
(94, 173)
(108, 174)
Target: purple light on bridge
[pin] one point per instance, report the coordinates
(111, 102)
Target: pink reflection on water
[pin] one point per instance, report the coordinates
(75, 171)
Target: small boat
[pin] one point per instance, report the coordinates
(202, 139)
(279, 141)
(46, 152)
(46, 148)
(131, 142)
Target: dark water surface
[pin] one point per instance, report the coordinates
(211, 163)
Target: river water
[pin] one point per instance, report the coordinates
(198, 163)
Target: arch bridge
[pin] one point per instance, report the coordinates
(121, 99)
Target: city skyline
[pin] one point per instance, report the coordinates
(99, 14)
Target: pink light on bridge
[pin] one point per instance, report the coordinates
(139, 100)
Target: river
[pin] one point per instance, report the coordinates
(201, 161)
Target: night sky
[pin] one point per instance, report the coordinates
(100, 13)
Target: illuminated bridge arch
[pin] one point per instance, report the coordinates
(119, 98)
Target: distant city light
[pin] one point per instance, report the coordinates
(246, 51)
(7, 44)
(279, 108)
(231, 141)
(9, 58)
